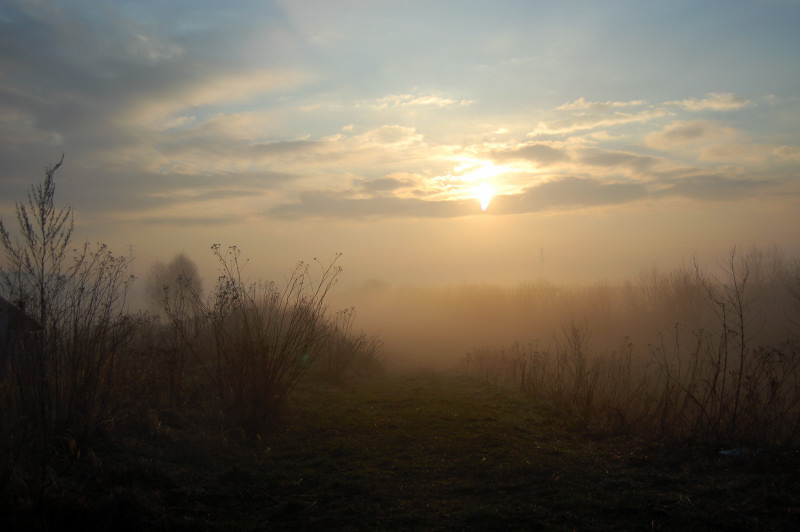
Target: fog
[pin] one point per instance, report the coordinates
(436, 326)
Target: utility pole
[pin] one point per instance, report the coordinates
(131, 247)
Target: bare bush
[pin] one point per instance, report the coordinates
(717, 380)
(494, 367)
(573, 388)
(347, 354)
(58, 382)
(729, 389)
(264, 337)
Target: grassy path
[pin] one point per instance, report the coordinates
(427, 452)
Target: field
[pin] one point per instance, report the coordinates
(418, 451)
(668, 402)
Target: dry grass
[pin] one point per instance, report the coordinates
(721, 380)
(424, 451)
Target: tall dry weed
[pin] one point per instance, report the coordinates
(729, 373)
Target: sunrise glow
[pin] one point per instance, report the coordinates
(297, 128)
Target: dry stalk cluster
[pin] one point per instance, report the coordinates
(76, 368)
(347, 354)
(716, 381)
(58, 378)
(264, 336)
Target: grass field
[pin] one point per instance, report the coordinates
(419, 451)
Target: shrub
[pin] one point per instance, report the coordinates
(718, 381)
(264, 337)
(728, 389)
(347, 354)
(58, 381)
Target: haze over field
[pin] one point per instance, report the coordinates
(602, 138)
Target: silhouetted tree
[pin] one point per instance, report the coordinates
(174, 288)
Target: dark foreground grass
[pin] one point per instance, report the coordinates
(417, 452)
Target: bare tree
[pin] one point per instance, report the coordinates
(175, 287)
(175, 290)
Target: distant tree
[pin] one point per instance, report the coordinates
(174, 288)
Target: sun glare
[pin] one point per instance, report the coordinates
(477, 174)
(484, 193)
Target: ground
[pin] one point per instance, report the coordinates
(420, 451)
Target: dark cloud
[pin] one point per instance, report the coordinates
(68, 77)
(714, 188)
(66, 71)
(77, 76)
(334, 205)
(219, 145)
(132, 190)
(687, 131)
(691, 133)
(385, 184)
(569, 192)
(290, 147)
(559, 194)
(188, 221)
(542, 154)
(610, 159)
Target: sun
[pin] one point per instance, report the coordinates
(480, 177)
(484, 193)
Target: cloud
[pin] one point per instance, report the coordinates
(788, 152)
(586, 106)
(693, 133)
(157, 107)
(612, 159)
(713, 141)
(321, 204)
(571, 192)
(736, 151)
(406, 100)
(716, 101)
(587, 115)
(713, 187)
(155, 114)
(565, 193)
(390, 135)
(19, 128)
(541, 154)
(152, 49)
(385, 184)
(578, 192)
(133, 190)
(286, 147)
(187, 221)
(218, 146)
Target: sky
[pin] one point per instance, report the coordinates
(613, 137)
